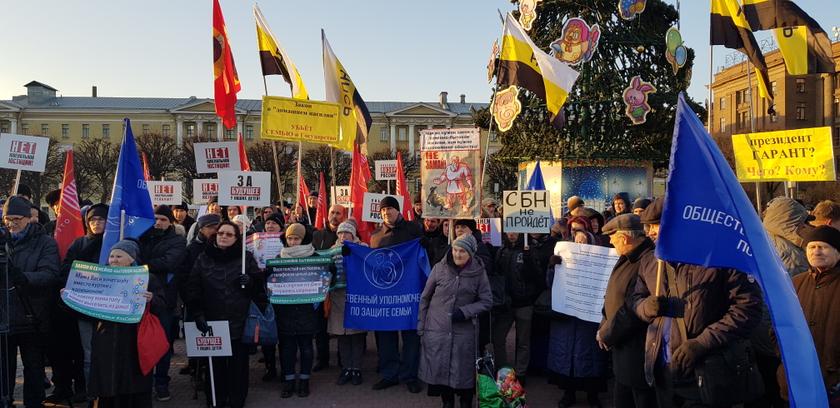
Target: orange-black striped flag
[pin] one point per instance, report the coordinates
(225, 80)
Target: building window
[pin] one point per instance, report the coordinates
(800, 110)
(4, 127)
(230, 134)
(249, 132)
(65, 131)
(722, 102)
(384, 135)
(402, 134)
(106, 131)
(191, 130)
(85, 130)
(164, 130)
(740, 97)
(210, 130)
(146, 130)
(773, 87)
(45, 129)
(723, 124)
(24, 128)
(800, 85)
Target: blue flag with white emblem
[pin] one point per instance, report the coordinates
(130, 195)
(708, 220)
(384, 286)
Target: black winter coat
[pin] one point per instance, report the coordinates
(436, 245)
(402, 231)
(36, 256)
(620, 328)
(214, 292)
(195, 248)
(115, 364)
(163, 251)
(324, 239)
(86, 249)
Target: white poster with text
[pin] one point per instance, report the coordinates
(20, 152)
(580, 281)
(214, 343)
(216, 156)
(246, 188)
(370, 211)
(165, 192)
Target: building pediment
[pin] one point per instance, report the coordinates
(421, 109)
(9, 107)
(200, 106)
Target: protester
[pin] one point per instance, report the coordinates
(53, 199)
(393, 365)
(596, 222)
(484, 255)
(296, 324)
(580, 231)
(826, 212)
(786, 222)
(299, 215)
(818, 291)
(489, 208)
(621, 330)
(639, 205)
(417, 208)
(434, 241)
(115, 376)
(620, 205)
(273, 224)
(324, 239)
(218, 290)
(163, 251)
(32, 273)
(650, 218)
(351, 343)
(456, 292)
(571, 204)
(182, 215)
(232, 211)
(312, 206)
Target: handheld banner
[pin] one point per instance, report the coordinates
(264, 246)
(527, 211)
(248, 188)
(216, 156)
(581, 280)
(107, 292)
(294, 281)
(204, 190)
(341, 196)
(385, 170)
(370, 209)
(491, 230)
(384, 286)
(165, 192)
(786, 155)
(297, 120)
(340, 278)
(449, 160)
(215, 343)
(21, 152)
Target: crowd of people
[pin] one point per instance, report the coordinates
(661, 320)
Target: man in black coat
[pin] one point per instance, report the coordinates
(434, 241)
(182, 216)
(163, 251)
(27, 283)
(396, 230)
(621, 330)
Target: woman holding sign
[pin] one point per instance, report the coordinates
(115, 375)
(217, 290)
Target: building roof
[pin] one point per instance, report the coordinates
(36, 83)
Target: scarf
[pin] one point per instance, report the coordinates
(299, 251)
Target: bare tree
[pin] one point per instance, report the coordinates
(317, 160)
(411, 167)
(163, 155)
(502, 173)
(261, 157)
(96, 163)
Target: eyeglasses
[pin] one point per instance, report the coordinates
(225, 234)
(12, 219)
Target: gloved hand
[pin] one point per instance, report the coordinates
(555, 260)
(201, 324)
(458, 316)
(345, 250)
(244, 279)
(687, 355)
(654, 306)
(17, 277)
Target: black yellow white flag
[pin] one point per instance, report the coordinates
(274, 59)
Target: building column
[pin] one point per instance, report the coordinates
(199, 127)
(239, 128)
(411, 141)
(219, 130)
(179, 131)
(13, 127)
(393, 139)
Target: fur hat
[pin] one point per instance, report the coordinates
(469, 223)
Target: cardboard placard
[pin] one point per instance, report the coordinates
(247, 188)
(341, 196)
(204, 190)
(370, 211)
(527, 211)
(165, 192)
(297, 120)
(450, 139)
(385, 170)
(581, 280)
(216, 156)
(491, 230)
(214, 343)
(20, 152)
(786, 155)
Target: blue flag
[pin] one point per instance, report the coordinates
(130, 195)
(536, 182)
(708, 220)
(384, 286)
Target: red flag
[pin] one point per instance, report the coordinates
(68, 221)
(321, 214)
(402, 190)
(303, 193)
(225, 80)
(243, 155)
(359, 177)
(146, 174)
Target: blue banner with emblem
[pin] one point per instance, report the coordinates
(384, 286)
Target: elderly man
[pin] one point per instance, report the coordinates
(818, 291)
(489, 208)
(650, 218)
(621, 330)
(826, 212)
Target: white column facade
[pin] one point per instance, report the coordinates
(239, 127)
(219, 130)
(13, 127)
(393, 139)
(199, 127)
(411, 141)
(179, 131)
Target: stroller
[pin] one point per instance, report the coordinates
(497, 389)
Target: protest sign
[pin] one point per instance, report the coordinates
(450, 164)
(341, 196)
(786, 155)
(204, 190)
(385, 170)
(264, 246)
(527, 211)
(384, 286)
(109, 293)
(248, 188)
(215, 343)
(297, 120)
(165, 192)
(294, 281)
(581, 280)
(21, 152)
(370, 212)
(216, 156)
(491, 230)
(340, 278)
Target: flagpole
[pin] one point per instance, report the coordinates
(274, 151)
(711, 81)
(492, 99)
(332, 176)
(245, 211)
(15, 184)
(752, 130)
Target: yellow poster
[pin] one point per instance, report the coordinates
(299, 120)
(786, 155)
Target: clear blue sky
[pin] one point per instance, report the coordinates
(394, 50)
